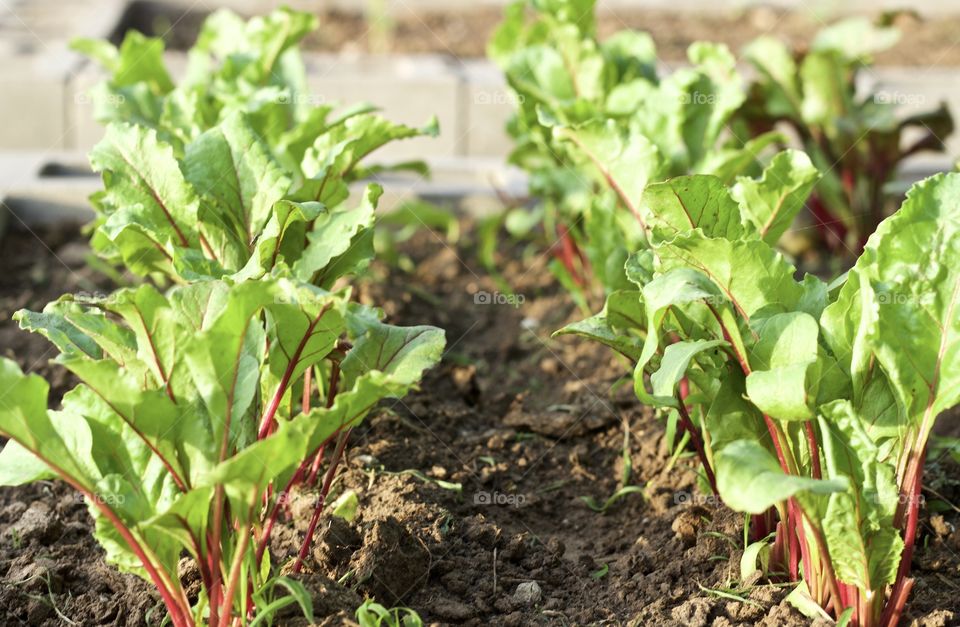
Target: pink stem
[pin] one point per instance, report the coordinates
(321, 500)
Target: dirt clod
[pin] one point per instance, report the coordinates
(335, 542)
(392, 563)
(37, 524)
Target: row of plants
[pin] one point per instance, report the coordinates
(598, 120)
(809, 402)
(233, 371)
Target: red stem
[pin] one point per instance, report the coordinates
(567, 254)
(280, 504)
(315, 467)
(902, 584)
(266, 422)
(793, 532)
(833, 230)
(321, 500)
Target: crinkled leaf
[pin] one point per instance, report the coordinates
(772, 202)
(857, 523)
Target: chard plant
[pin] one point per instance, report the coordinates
(194, 420)
(228, 207)
(253, 67)
(202, 407)
(810, 404)
(244, 131)
(857, 140)
(594, 117)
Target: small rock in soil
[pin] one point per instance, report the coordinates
(686, 524)
(528, 593)
(940, 526)
(38, 524)
(478, 531)
(392, 564)
(937, 618)
(556, 547)
(516, 549)
(367, 461)
(550, 366)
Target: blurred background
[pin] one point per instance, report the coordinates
(412, 58)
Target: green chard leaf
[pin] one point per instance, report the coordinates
(857, 522)
(750, 479)
(772, 202)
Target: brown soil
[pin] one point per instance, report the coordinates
(464, 33)
(526, 425)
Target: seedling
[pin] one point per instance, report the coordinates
(372, 614)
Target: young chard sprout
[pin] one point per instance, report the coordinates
(816, 400)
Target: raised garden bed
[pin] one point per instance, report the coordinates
(244, 302)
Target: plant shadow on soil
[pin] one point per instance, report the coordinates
(525, 424)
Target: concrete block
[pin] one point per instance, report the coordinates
(44, 188)
(819, 7)
(32, 94)
(37, 63)
(85, 131)
(408, 89)
(487, 105)
(918, 90)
